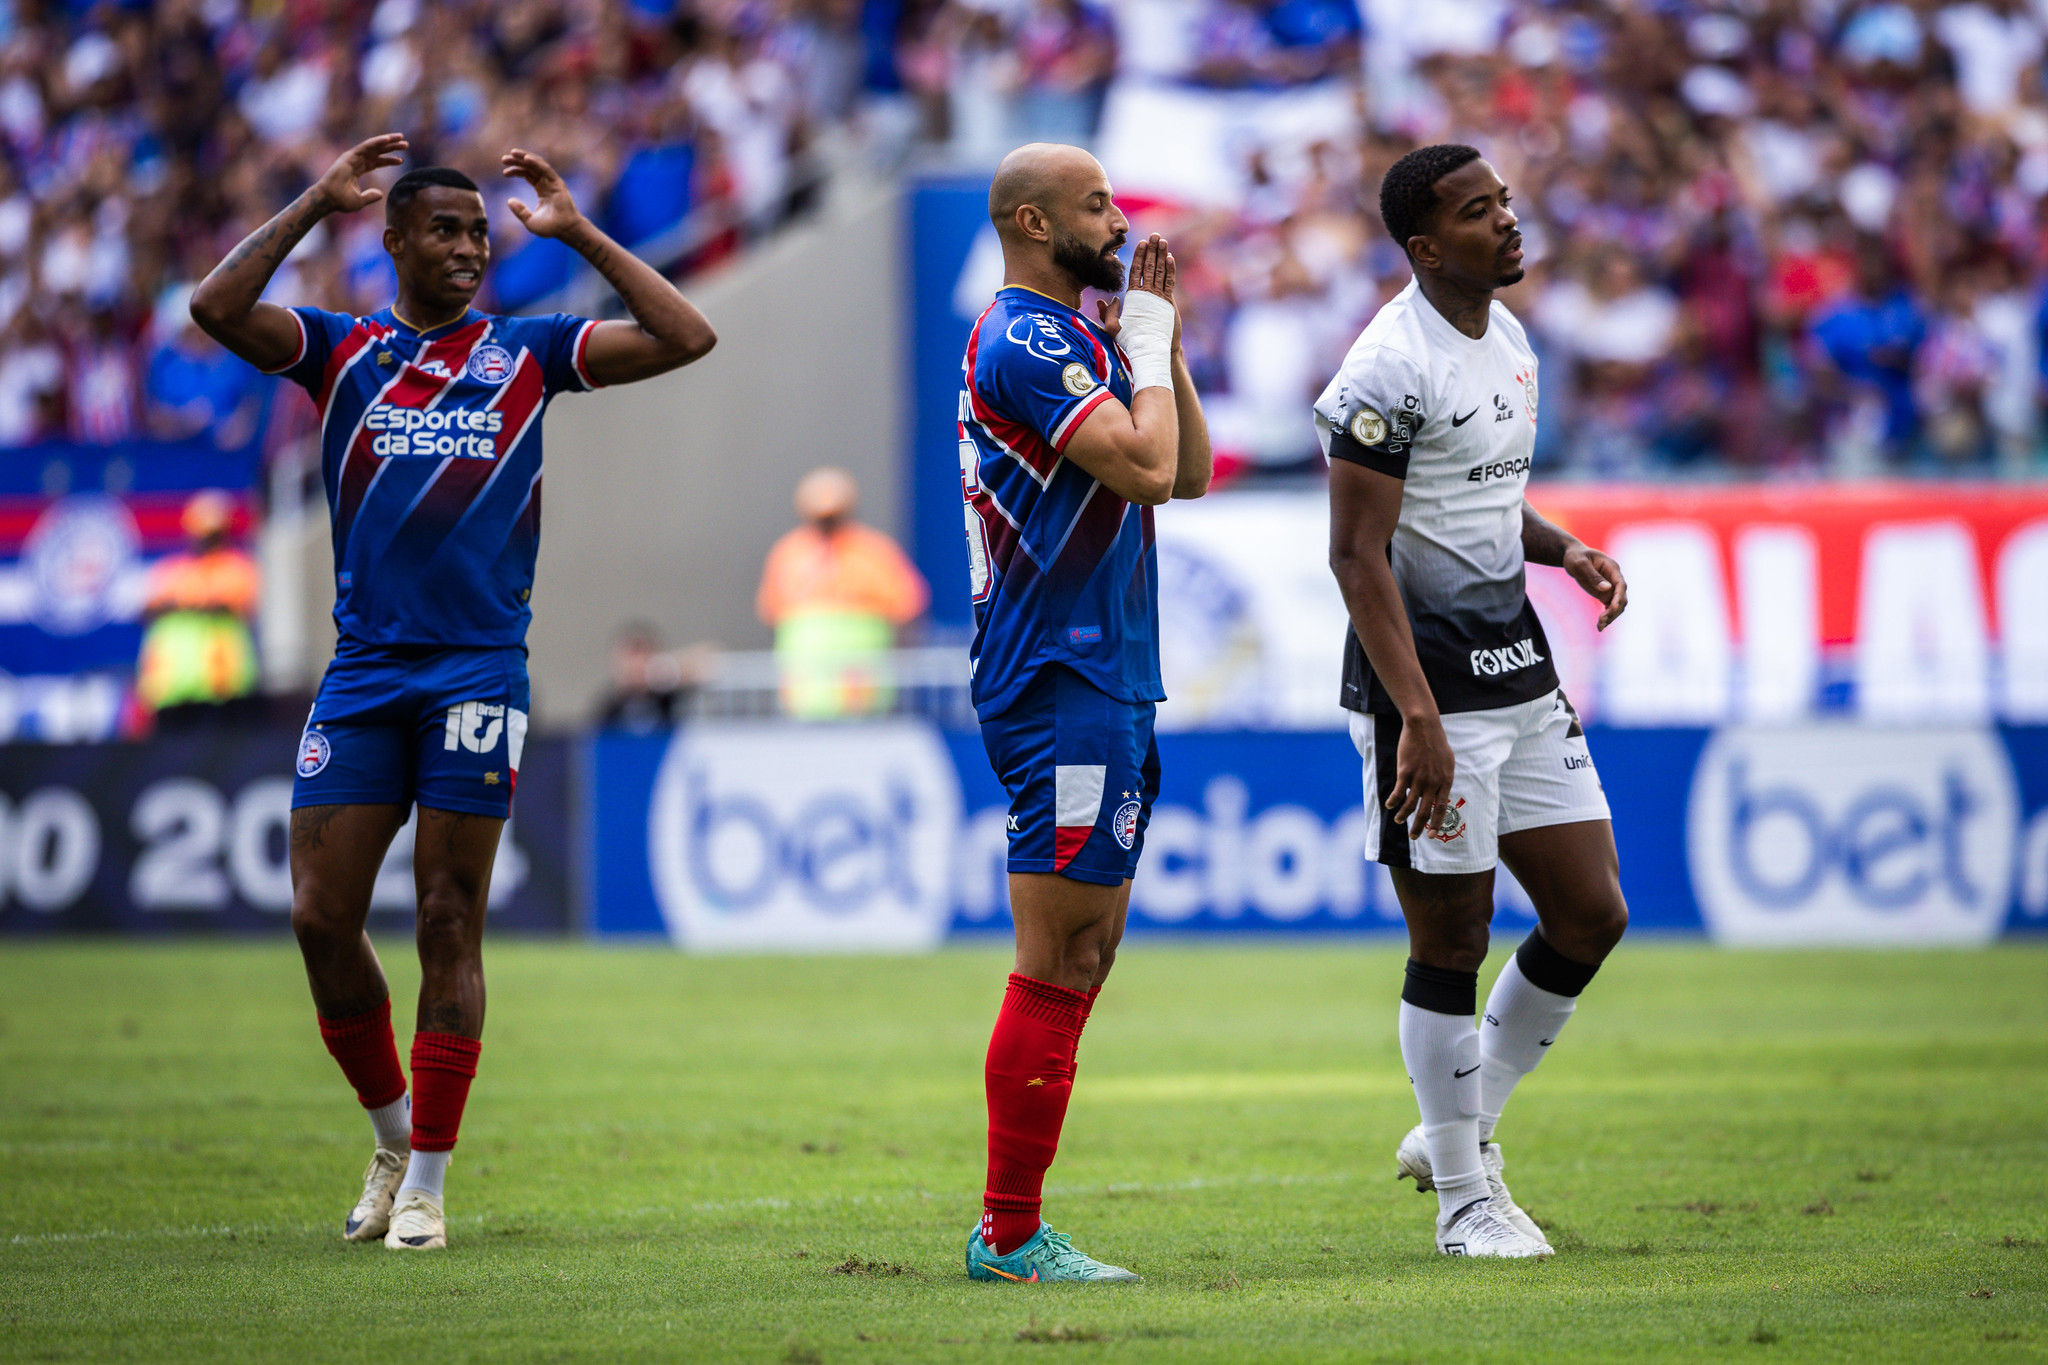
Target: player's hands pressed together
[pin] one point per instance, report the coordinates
(1137, 455)
(1154, 271)
(1601, 577)
(337, 190)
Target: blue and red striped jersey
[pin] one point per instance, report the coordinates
(430, 449)
(1063, 570)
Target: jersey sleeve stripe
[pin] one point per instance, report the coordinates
(1066, 429)
(580, 355)
(299, 354)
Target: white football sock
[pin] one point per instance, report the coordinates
(394, 1124)
(1441, 1052)
(425, 1173)
(1522, 1021)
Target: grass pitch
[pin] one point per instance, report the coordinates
(1740, 1156)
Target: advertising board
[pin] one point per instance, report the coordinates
(189, 834)
(793, 838)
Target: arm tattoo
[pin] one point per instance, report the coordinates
(268, 245)
(1542, 543)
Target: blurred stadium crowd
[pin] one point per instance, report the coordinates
(1769, 235)
(1765, 236)
(142, 141)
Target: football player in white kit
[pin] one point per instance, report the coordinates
(1472, 754)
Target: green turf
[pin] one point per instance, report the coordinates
(1750, 1157)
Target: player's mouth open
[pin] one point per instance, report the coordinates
(1513, 250)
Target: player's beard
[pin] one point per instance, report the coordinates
(1093, 267)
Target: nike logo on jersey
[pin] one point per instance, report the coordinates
(1460, 421)
(1461, 1075)
(1545, 1042)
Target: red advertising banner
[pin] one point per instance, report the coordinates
(1894, 600)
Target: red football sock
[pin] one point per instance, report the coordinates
(443, 1065)
(362, 1043)
(1030, 1074)
(1087, 1008)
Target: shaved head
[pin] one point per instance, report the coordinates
(1039, 173)
(1051, 200)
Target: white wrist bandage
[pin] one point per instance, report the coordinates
(1147, 338)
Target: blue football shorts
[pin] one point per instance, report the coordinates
(398, 724)
(1082, 770)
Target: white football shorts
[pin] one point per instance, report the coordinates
(1519, 767)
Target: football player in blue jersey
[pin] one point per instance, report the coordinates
(1071, 430)
(430, 433)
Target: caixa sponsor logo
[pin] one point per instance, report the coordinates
(467, 432)
(1852, 834)
(784, 836)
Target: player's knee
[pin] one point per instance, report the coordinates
(317, 922)
(1084, 960)
(1593, 931)
(1465, 951)
(1610, 923)
(449, 921)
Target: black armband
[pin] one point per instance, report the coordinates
(1379, 443)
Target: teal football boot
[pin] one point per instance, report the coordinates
(1047, 1256)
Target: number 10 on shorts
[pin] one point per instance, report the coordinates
(476, 725)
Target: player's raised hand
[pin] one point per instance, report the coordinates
(1601, 577)
(554, 211)
(1154, 271)
(1152, 268)
(338, 189)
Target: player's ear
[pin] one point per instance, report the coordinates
(1032, 222)
(1422, 252)
(394, 240)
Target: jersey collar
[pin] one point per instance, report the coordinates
(1040, 294)
(406, 329)
(1441, 325)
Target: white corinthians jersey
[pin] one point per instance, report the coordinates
(1455, 419)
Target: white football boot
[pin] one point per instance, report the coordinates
(371, 1216)
(1476, 1230)
(1411, 1159)
(416, 1224)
